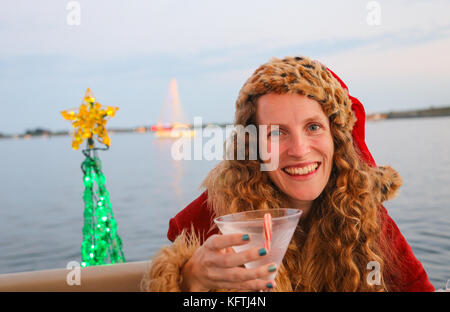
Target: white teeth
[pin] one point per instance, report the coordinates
(301, 171)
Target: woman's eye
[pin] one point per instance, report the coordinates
(314, 127)
(275, 133)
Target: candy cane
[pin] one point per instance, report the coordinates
(268, 231)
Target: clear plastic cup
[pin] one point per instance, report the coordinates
(284, 223)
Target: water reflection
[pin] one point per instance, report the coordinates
(178, 166)
(175, 169)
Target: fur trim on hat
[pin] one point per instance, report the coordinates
(385, 182)
(299, 75)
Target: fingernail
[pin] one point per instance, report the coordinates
(245, 237)
(269, 285)
(272, 268)
(262, 252)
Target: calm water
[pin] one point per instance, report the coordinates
(41, 190)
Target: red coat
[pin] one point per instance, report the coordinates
(410, 275)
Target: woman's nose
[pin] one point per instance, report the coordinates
(299, 146)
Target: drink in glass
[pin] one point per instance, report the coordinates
(284, 223)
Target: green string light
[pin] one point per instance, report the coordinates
(101, 243)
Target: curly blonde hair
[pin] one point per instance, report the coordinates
(341, 234)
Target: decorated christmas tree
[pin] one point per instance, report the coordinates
(101, 242)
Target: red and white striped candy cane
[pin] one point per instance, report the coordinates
(268, 231)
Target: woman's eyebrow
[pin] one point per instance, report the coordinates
(314, 118)
(307, 120)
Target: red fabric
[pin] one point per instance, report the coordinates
(411, 276)
(358, 132)
(196, 213)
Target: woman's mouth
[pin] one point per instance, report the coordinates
(297, 171)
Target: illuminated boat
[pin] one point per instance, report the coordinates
(176, 130)
(172, 111)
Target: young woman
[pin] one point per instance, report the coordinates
(324, 168)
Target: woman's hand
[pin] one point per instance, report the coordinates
(215, 265)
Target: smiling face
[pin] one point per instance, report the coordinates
(305, 153)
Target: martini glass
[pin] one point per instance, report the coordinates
(284, 222)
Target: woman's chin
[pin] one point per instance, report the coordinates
(302, 199)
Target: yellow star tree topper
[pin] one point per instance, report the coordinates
(90, 120)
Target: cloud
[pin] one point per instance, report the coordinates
(408, 76)
(110, 28)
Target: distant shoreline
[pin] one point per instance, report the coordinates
(418, 113)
